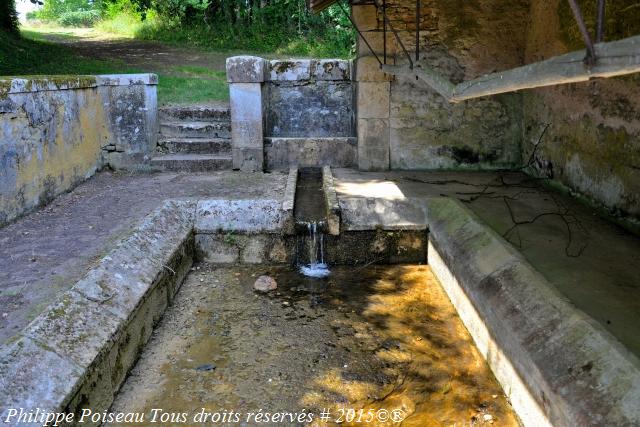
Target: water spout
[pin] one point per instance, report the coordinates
(315, 243)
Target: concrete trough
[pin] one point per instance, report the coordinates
(557, 365)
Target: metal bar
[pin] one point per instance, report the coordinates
(358, 31)
(590, 59)
(601, 17)
(384, 30)
(417, 30)
(395, 33)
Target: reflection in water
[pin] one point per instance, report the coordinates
(362, 339)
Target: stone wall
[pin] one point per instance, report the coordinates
(590, 132)
(404, 124)
(58, 131)
(297, 112)
(309, 98)
(592, 138)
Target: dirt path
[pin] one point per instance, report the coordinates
(148, 56)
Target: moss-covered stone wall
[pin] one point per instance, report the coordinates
(56, 131)
(592, 138)
(589, 132)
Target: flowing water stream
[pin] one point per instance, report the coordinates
(310, 211)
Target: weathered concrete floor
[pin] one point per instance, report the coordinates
(366, 338)
(46, 252)
(593, 262)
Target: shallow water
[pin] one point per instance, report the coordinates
(378, 339)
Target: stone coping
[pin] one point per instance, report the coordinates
(28, 84)
(309, 69)
(331, 199)
(254, 69)
(558, 366)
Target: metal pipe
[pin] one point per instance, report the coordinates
(395, 33)
(384, 30)
(359, 33)
(601, 17)
(417, 30)
(590, 59)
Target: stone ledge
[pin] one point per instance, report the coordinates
(289, 201)
(557, 365)
(331, 199)
(283, 70)
(78, 352)
(244, 216)
(360, 214)
(127, 79)
(30, 84)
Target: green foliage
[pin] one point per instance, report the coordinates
(54, 10)
(282, 26)
(79, 18)
(8, 17)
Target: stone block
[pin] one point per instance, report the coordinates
(69, 327)
(373, 144)
(245, 101)
(34, 376)
(246, 69)
(314, 109)
(291, 69)
(360, 214)
(332, 69)
(255, 250)
(218, 248)
(365, 17)
(243, 216)
(375, 40)
(248, 159)
(281, 153)
(373, 100)
(367, 69)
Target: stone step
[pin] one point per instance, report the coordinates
(339, 152)
(217, 146)
(195, 129)
(191, 113)
(191, 162)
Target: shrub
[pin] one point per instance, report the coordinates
(80, 18)
(8, 16)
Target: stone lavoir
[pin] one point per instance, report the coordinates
(339, 243)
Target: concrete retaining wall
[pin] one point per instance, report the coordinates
(58, 131)
(557, 365)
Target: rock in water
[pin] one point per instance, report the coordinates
(265, 284)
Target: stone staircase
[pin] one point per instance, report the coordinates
(193, 138)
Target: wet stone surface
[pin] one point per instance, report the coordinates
(380, 338)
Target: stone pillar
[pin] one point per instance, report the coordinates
(246, 75)
(373, 90)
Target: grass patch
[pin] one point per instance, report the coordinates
(31, 55)
(174, 89)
